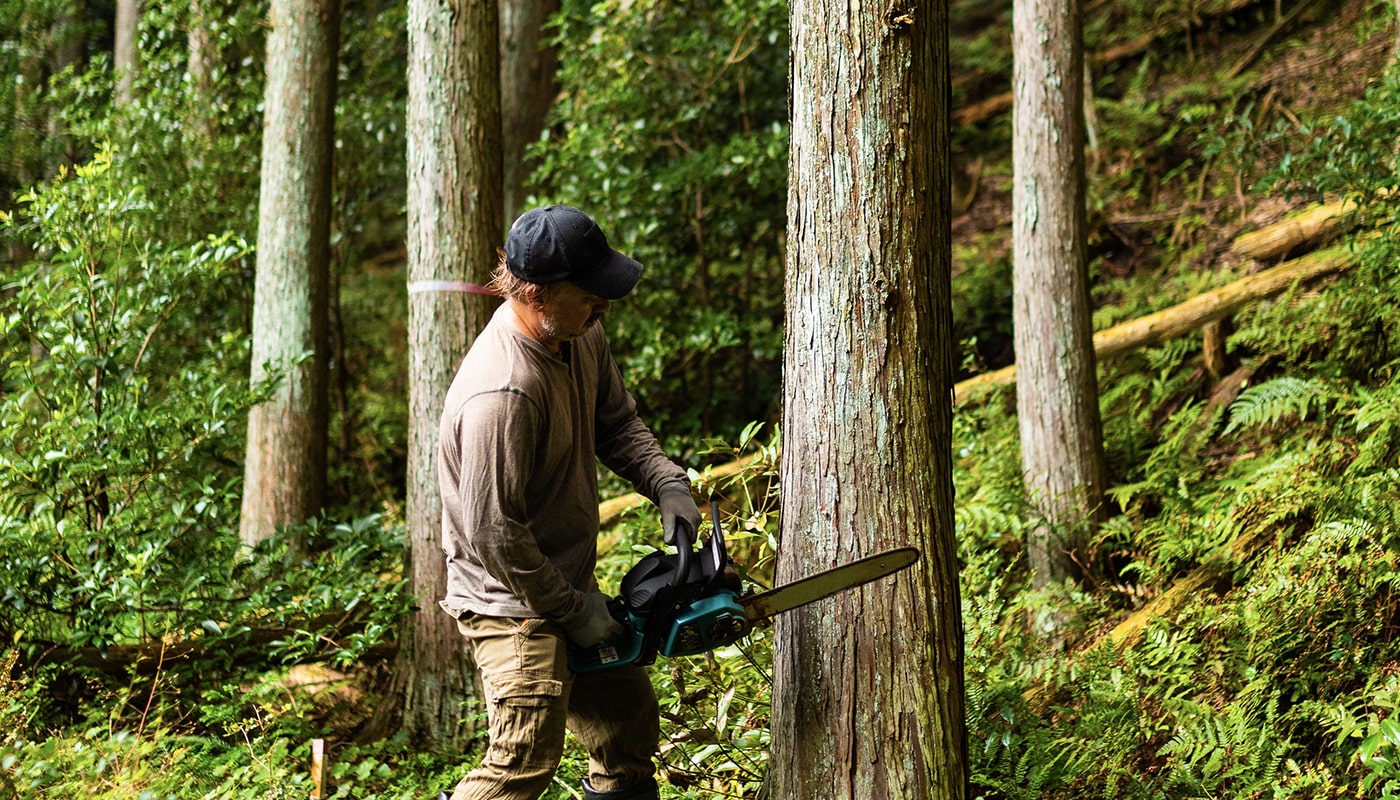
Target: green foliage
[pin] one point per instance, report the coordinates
(672, 131)
(122, 417)
(1268, 403)
(186, 140)
(1236, 751)
(119, 408)
(1351, 154)
(981, 290)
(1380, 754)
(261, 750)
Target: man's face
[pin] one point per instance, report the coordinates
(568, 311)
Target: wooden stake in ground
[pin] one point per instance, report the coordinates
(318, 769)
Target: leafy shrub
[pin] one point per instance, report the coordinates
(121, 414)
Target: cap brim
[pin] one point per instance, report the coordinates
(612, 279)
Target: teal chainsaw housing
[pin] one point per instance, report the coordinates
(701, 625)
(680, 604)
(709, 622)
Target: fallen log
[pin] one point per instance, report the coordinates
(1187, 316)
(1315, 224)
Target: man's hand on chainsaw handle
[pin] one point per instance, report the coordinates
(677, 508)
(591, 623)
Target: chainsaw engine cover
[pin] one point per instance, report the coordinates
(714, 620)
(664, 612)
(657, 571)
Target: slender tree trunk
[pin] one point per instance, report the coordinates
(285, 472)
(124, 47)
(867, 423)
(454, 228)
(528, 64)
(1057, 398)
(25, 151)
(199, 65)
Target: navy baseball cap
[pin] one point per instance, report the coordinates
(561, 243)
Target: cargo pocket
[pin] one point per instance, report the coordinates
(527, 721)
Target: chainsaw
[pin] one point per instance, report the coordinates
(690, 602)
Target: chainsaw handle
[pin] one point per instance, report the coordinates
(685, 546)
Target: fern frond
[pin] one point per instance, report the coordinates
(1272, 401)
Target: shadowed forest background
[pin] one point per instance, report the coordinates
(1231, 632)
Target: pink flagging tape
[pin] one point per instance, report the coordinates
(449, 286)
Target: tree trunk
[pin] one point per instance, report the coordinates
(285, 473)
(69, 50)
(1057, 398)
(867, 429)
(454, 228)
(528, 64)
(124, 47)
(199, 65)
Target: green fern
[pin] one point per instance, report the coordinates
(1270, 402)
(1237, 752)
(1378, 420)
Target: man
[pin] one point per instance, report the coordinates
(536, 403)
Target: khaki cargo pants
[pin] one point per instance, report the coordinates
(531, 696)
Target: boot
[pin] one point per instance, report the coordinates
(646, 790)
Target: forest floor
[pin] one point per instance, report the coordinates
(1157, 205)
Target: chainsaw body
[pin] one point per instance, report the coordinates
(672, 604)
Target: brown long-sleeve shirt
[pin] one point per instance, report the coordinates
(522, 431)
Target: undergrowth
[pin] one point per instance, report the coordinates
(1234, 637)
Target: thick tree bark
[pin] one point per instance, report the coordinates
(1058, 400)
(528, 64)
(124, 49)
(867, 429)
(454, 228)
(285, 473)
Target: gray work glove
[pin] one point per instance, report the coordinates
(591, 623)
(677, 508)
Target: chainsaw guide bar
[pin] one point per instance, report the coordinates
(759, 607)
